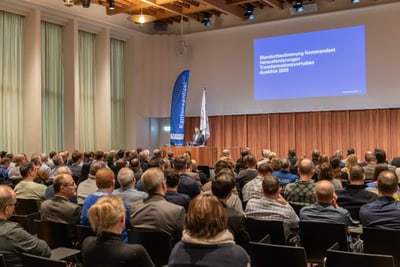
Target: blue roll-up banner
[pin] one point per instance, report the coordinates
(178, 109)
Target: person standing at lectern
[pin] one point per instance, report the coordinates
(198, 138)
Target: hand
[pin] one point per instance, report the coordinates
(281, 200)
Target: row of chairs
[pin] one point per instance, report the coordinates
(262, 255)
(317, 237)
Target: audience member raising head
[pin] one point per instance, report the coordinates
(107, 218)
(206, 240)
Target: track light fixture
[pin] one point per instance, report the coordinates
(355, 1)
(85, 3)
(206, 20)
(111, 4)
(299, 6)
(250, 13)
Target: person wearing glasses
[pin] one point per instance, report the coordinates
(60, 208)
(14, 240)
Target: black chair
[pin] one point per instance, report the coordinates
(337, 258)
(26, 206)
(204, 169)
(317, 237)
(27, 221)
(354, 212)
(381, 241)
(297, 208)
(157, 244)
(262, 255)
(82, 232)
(2, 261)
(29, 260)
(55, 234)
(258, 229)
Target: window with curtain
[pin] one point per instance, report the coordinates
(117, 94)
(87, 80)
(52, 87)
(11, 82)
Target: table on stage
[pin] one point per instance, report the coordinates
(204, 155)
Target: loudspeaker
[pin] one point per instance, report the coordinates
(85, 3)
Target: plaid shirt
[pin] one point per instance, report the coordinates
(300, 192)
(252, 189)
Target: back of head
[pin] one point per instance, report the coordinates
(6, 197)
(99, 155)
(378, 169)
(323, 159)
(250, 160)
(223, 184)
(356, 173)
(135, 163)
(335, 162)
(315, 154)
(25, 169)
(380, 155)
(206, 217)
(339, 154)
(172, 178)
(36, 159)
(95, 166)
(265, 153)
(350, 151)
(387, 183)
(325, 172)
(222, 164)
(324, 191)
(63, 170)
(351, 160)
(105, 178)
(105, 213)
(19, 159)
(275, 163)
(369, 156)
(125, 177)
(121, 163)
(306, 167)
(284, 163)
(291, 152)
(153, 179)
(76, 156)
(265, 168)
(270, 185)
(58, 160)
(180, 163)
(245, 152)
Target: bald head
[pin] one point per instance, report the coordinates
(7, 201)
(387, 183)
(306, 168)
(324, 191)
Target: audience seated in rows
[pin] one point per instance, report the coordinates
(206, 240)
(253, 188)
(246, 175)
(107, 218)
(187, 185)
(89, 186)
(284, 175)
(172, 180)
(14, 240)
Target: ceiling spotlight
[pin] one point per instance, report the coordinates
(250, 13)
(206, 20)
(111, 4)
(355, 1)
(299, 6)
(85, 3)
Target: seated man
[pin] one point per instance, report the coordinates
(325, 209)
(14, 240)
(272, 206)
(222, 187)
(384, 212)
(27, 188)
(284, 175)
(88, 186)
(127, 191)
(253, 188)
(155, 212)
(60, 208)
(172, 195)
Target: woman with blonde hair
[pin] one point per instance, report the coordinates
(107, 218)
(206, 240)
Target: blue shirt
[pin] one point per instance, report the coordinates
(383, 213)
(91, 199)
(285, 177)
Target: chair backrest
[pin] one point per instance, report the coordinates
(26, 206)
(337, 258)
(258, 229)
(297, 208)
(82, 232)
(381, 241)
(262, 255)
(55, 234)
(354, 212)
(2, 261)
(157, 244)
(29, 260)
(317, 237)
(27, 221)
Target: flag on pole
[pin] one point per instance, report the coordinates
(204, 126)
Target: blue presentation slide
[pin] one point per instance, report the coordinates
(312, 64)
